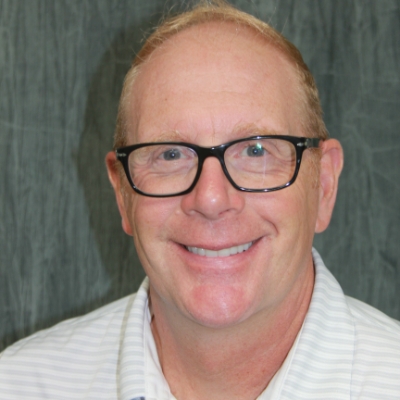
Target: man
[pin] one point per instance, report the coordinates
(223, 173)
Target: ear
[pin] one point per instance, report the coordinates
(331, 167)
(116, 181)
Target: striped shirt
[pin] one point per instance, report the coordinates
(345, 350)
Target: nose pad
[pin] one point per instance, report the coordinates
(213, 194)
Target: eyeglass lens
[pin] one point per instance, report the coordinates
(252, 164)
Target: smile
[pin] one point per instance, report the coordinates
(220, 253)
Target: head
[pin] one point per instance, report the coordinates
(208, 77)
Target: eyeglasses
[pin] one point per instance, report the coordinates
(254, 164)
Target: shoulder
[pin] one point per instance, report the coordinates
(72, 351)
(376, 362)
(361, 345)
(91, 327)
(375, 331)
(367, 315)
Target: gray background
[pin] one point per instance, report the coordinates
(62, 251)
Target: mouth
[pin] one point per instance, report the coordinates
(230, 251)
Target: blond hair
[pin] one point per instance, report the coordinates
(220, 11)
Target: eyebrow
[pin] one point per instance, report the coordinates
(238, 132)
(172, 136)
(251, 129)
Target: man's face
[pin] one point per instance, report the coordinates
(209, 85)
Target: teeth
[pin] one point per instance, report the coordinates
(220, 253)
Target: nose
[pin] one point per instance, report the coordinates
(213, 196)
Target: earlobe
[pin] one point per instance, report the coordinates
(116, 181)
(331, 167)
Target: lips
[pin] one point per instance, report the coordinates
(220, 253)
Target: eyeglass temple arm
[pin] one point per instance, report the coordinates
(310, 143)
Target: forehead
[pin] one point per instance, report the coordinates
(215, 77)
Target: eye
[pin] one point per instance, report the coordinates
(255, 150)
(171, 154)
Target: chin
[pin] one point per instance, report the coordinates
(219, 307)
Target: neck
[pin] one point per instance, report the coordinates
(235, 362)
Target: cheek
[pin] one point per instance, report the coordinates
(304, 210)
(150, 219)
(293, 210)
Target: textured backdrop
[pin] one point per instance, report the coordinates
(62, 251)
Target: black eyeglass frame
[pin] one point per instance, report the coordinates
(300, 144)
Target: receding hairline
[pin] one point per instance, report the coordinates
(211, 37)
(220, 13)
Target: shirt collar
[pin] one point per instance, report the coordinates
(131, 360)
(324, 355)
(139, 372)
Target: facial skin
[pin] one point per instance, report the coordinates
(208, 85)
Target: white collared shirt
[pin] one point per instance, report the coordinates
(345, 350)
